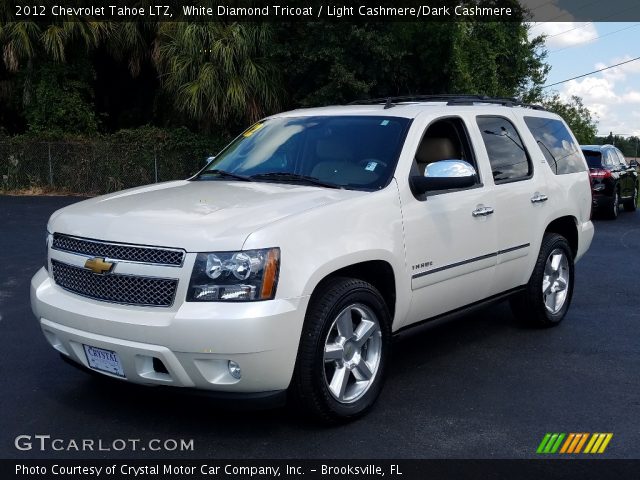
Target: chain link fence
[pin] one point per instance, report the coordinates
(91, 168)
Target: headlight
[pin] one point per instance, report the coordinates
(235, 276)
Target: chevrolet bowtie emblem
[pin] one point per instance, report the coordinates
(98, 265)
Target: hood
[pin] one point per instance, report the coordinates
(194, 215)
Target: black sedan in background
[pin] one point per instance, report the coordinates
(613, 180)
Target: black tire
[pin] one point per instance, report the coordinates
(632, 204)
(309, 389)
(614, 209)
(529, 306)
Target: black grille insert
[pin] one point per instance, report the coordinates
(115, 288)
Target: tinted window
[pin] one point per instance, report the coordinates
(609, 159)
(623, 161)
(509, 159)
(594, 158)
(556, 144)
(357, 152)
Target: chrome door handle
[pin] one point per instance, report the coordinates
(482, 211)
(539, 198)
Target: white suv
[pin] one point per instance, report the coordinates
(290, 260)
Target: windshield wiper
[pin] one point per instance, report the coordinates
(225, 174)
(294, 177)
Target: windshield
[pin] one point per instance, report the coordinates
(594, 158)
(354, 152)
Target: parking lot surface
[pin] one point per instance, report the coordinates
(478, 387)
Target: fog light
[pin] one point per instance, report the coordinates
(234, 369)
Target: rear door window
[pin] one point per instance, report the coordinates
(507, 155)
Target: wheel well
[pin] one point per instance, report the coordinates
(376, 272)
(566, 226)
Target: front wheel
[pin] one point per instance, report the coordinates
(547, 296)
(343, 351)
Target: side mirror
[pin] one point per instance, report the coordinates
(444, 175)
(633, 163)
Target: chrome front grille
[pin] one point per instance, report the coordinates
(115, 288)
(117, 251)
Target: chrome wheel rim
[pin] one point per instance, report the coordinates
(616, 204)
(352, 353)
(555, 281)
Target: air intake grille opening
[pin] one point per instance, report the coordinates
(158, 366)
(115, 288)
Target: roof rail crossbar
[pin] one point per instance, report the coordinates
(451, 99)
(412, 98)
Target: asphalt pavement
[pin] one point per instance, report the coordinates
(477, 387)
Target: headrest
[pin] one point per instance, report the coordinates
(436, 148)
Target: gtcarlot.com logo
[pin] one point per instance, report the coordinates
(574, 443)
(46, 443)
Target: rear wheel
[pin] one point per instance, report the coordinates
(547, 295)
(343, 351)
(614, 209)
(631, 204)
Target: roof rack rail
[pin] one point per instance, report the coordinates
(451, 99)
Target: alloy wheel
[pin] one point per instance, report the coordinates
(555, 281)
(352, 353)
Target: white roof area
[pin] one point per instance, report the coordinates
(411, 109)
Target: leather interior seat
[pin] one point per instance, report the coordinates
(433, 149)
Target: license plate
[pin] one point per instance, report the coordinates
(104, 360)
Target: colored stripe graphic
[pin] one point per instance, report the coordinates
(591, 443)
(550, 443)
(573, 443)
(582, 440)
(598, 443)
(556, 445)
(607, 439)
(543, 443)
(576, 439)
(565, 447)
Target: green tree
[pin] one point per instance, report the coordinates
(217, 72)
(582, 122)
(62, 99)
(496, 59)
(27, 49)
(328, 63)
(334, 62)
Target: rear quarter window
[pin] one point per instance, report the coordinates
(557, 146)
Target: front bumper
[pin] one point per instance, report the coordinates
(194, 342)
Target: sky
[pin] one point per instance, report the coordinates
(575, 48)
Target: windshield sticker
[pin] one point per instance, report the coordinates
(384, 123)
(371, 166)
(251, 130)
